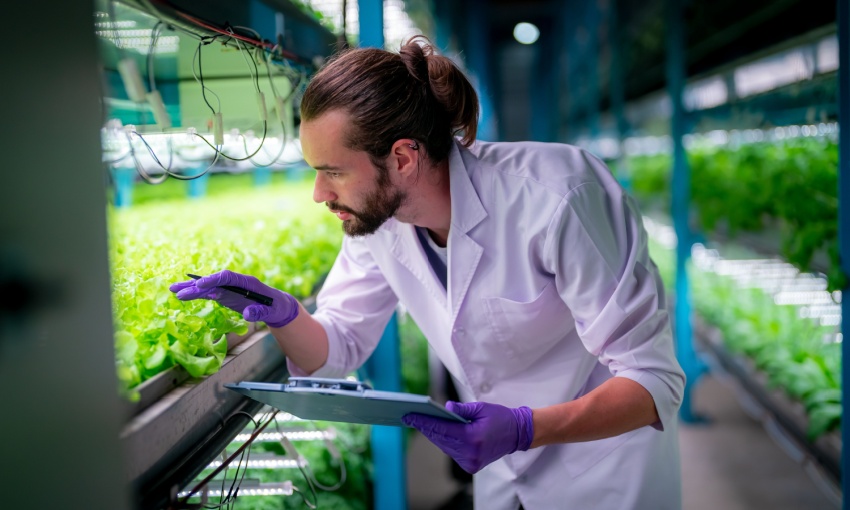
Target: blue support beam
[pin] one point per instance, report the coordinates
(443, 19)
(583, 18)
(617, 78)
(571, 69)
(384, 371)
(681, 189)
(124, 178)
(544, 113)
(591, 61)
(477, 48)
(384, 366)
(198, 186)
(371, 17)
(844, 220)
(262, 176)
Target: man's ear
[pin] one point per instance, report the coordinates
(404, 157)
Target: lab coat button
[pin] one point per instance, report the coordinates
(459, 331)
(522, 478)
(485, 388)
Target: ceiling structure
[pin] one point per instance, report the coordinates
(578, 39)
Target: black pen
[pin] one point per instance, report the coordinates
(253, 296)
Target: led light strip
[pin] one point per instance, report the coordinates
(292, 435)
(262, 489)
(783, 281)
(261, 463)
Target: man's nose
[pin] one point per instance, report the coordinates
(321, 191)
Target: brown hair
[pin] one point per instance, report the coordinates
(411, 94)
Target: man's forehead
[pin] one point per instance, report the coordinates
(323, 142)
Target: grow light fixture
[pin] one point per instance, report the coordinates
(803, 298)
(292, 435)
(261, 462)
(250, 489)
(526, 33)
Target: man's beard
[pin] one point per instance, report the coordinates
(380, 205)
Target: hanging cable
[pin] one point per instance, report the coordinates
(298, 462)
(272, 51)
(230, 459)
(154, 38)
(279, 105)
(147, 177)
(118, 159)
(197, 57)
(217, 114)
(342, 474)
(279, 101)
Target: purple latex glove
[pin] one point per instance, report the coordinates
(283, 310)
(493, 432)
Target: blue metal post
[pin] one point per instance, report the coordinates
(478, 59)
(371, 17)
(295, 172)
(591, 59)
(844, 220)
(262, 176)
(124, 177)
(573, 83)
(544, 111)
(618, 93)
(390, 479)
(681, 189)
(442, 24)
(198, 187)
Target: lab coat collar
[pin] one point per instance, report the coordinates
(467, 211)
(464, 252)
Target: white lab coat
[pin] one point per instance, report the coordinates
(550, 293)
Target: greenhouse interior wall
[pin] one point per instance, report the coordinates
(149, 139)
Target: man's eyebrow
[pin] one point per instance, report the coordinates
(326, 167)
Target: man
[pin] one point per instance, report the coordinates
(524, 264)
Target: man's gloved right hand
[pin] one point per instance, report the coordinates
(283, 310)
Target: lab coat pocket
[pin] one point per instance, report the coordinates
(579, 457)
(528, 330)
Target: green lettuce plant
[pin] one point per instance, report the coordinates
(277, 234)
(789, 187)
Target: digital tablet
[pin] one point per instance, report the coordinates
(342, 400)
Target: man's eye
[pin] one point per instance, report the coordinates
(333, 175)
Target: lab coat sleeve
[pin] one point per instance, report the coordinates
(597, 248)
(354, 306)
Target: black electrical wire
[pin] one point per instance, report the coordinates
(166, 171)
(199, 54)
(140, 169)
(275, 158)
(245, 457)
(256, 75)
(309, 481)
(303, 497)
(118, 159)
(202, 41)
(231, 158)
(276, 96)
(153, 154)
(154, 38)
(330, 488)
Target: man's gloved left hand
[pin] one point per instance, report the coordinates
(283, 310)
(493, 432)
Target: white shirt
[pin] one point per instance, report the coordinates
(550, 293)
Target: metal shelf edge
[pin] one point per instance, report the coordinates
(171, 428)
(826, 451)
